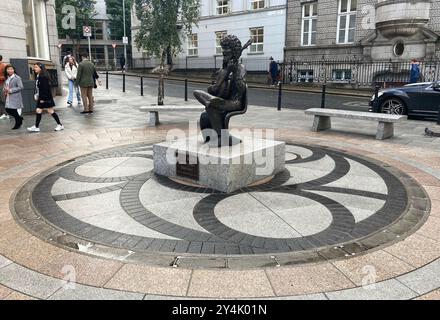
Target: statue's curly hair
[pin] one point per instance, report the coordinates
(231, 41)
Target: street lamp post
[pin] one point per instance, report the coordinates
(125, 45)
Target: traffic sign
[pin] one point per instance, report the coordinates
(125, 40)
(60, 45)
(87, 30)
(114, 45)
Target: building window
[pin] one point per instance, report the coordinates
(193, 45)
(309, 21)
(98, 32)
(342, 75)
(305, 76)
(399, 49)
(257, 35)
(222, 6)
(346, 21)
(37, 40)
(219, 35)
(257, 4)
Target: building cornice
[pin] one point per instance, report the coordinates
(243, 12)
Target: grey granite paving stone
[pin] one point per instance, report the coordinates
(424, 279)
(29, 282)
(4, 261)
(195, 247)
(182, 246)
(386, 290)
(73, 291)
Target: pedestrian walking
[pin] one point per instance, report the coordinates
(273, 70)
(86, 82)
(12, 92)
(415, 71)
(122, 62)
(71, 70)
(3, 114)
(96, 79)
(43, 97)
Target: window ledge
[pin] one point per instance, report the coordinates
(255, 53)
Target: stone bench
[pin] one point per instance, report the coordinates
(154, 111)
(386, 122)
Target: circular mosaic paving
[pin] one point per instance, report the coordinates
(327, 204)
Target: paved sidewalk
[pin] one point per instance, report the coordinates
(132, 257)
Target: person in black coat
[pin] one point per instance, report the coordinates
(43, 97)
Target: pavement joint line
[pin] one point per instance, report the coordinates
(408, 287)
(271, 210)
(189, 283)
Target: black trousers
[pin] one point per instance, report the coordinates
(17, 117)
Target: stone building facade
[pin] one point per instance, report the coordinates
(263, 20)
(28, 32)
(374, 30)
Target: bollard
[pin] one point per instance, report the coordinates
(186, 89)
(280, 88)
(106, 79)
(376, 99)
(123, 82)
(324, 87)
(142, 86)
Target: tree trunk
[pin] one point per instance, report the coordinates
(161, 87)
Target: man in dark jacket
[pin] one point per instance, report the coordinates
(85, 81)
(122, 62)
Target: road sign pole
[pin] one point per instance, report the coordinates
(90, 50)
(125, 44)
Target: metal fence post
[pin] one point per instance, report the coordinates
(280, 89)
(142, 86)
(186, 89)
(106, 79)
(123, 82)
(324, 86)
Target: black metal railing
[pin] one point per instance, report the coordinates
(354, 72)
(357, 73)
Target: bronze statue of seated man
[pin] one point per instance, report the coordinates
(227, 95)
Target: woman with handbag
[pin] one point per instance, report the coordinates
(12, 93)
(44, 98)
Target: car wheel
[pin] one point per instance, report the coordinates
(393, 106)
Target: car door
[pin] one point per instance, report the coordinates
(430, 100)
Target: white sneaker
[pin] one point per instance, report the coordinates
(4, 117)
(33, 129)
(59, 127)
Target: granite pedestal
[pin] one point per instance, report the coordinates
(225, 169)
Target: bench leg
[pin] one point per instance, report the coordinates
(154, 118)
(385, 130)
(321, 123)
